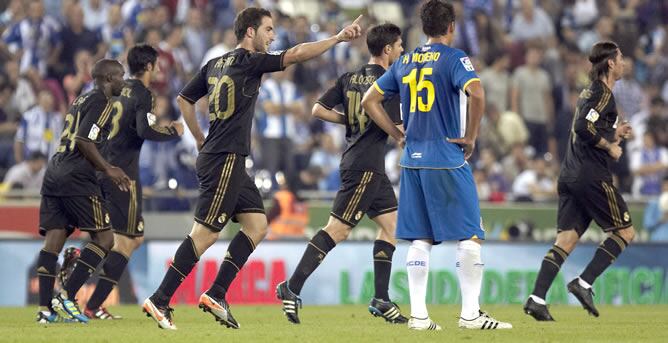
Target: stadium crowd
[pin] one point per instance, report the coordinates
(530, 55)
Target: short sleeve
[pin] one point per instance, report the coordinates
(463, 72)
(387, 84)
(393, 108)
(197, 87)
(333, 96)
(95, 113)
(268, 62)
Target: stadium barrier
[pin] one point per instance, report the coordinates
(639, 276)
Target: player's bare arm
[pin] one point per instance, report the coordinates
(476, 96)
(332, 116)
(306, 51)
(188, 112)
(373, 106)
(89, 150)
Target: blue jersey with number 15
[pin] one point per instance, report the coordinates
(431, 82)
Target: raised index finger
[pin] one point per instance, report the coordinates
(357, 21)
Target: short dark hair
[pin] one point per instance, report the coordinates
(436, 16)
(381, 35)
(599, 56)
(36, 155)
(249, 17)
(140, 56)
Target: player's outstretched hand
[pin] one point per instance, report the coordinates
(466, 144)
(119, 177)
(350, 32)
(178, 127)
(615, 151)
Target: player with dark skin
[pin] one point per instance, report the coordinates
(108, 76)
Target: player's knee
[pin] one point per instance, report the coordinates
(628, 234)
(567, 240)
(105, 239)
(338, 231)
(203, 237)
(54, 241)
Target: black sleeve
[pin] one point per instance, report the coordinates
(332, 96)
(94, 115)
(589, 120)
(147, 125)
(393, 108)
(267, 62)
(197, 87)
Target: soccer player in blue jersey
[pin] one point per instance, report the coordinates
(438, 200)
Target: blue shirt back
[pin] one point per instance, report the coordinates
(431, 82)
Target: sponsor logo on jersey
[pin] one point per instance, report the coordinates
(467, 63)
(94, 132)
(592, 116)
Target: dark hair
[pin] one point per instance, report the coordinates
(599, 56)
(140, 56)
(249, 17)
(36, 155)
(381, 35)
(436, 16)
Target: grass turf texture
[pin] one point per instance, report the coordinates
(344, 324)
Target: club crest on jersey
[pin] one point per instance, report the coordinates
(467, 63)
(627, 217)
(106, 218)
(222, 218)
(94, 132)
(140, 226)
(151, 118)
(592, 116)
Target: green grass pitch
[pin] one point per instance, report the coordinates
(344, 324)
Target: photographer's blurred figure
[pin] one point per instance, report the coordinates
(656, 215)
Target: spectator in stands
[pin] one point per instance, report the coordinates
(655, 219)
(35, 41)
(654, 120)
(76, 37)
(648, 166)
(629, 95)
(496, 81)
(196, 37)
(81, 80)
(515, 162)
(535, 183)
(288, 216)
(280, 105)
(531, 23)
(531, 97)
(223, 42)
(493, 170)
(95, 13)
(466, 31)
(602, 31)
(115, 35)
(27, 175)
(492, 39)
(39, 129)
(327, 156)
(8, 126)
(23, 96)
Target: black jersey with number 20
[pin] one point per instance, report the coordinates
(232, 82)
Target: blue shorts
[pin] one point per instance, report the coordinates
(439, 204)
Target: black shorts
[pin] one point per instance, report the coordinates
(81, 212)
(125, 208)
(225, 190)
(363, 193)
(580, 202)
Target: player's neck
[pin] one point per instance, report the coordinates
(145, 79)
(445, 40)
(246, 45)
(383, 62)
(609, 81)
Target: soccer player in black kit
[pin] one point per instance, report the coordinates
(585, 185)
(132, 121)
(365, 188)
(71, 196)
(232, 83)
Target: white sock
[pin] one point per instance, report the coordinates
(469, 271)
(584, 283)
(417, 266)
(539, 301)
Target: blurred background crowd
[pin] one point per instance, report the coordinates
(531, 56)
